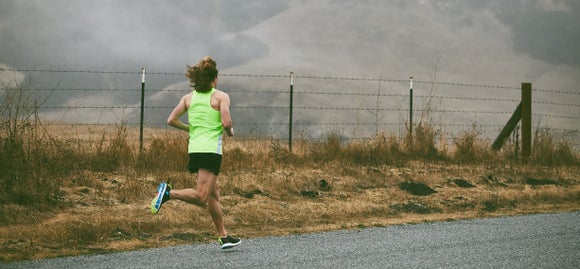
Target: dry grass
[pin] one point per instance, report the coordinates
(99, 212)
(63, 197)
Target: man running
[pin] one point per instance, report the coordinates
(208, 112)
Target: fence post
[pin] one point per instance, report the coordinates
(508, 128)
(411, 112)
(526, 120)
(142, 110)
(290, 111)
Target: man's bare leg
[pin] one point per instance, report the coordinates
(206, 182)
(215, 211)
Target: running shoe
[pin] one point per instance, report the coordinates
(162, 197)
(229, 242)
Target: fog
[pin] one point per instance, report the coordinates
(492, 42)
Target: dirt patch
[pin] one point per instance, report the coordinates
(110, 212)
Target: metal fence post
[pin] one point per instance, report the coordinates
(411, 112)
(290, 111)
(142, 109)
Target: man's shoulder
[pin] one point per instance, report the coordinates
(187, 97)
(221, 94)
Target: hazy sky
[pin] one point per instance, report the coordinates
(128, 34)
(165, 35)
(497, 42)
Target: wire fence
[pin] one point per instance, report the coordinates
(354, 108)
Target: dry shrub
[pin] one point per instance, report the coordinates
(378, 151)
(326, 150)
(423, 144)
(277, 153)
(168, 153)
(469, 148)
(113, 155)
(546, 151)
(25, 157)
(34, 165)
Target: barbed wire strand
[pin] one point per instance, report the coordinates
(485, 99)
(380, 79)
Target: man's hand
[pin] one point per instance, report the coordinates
(230, 131)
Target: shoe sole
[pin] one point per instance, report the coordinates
(230, 245)
(156, 202)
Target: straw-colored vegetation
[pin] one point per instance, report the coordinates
(62, 196)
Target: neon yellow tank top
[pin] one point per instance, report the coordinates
(205, 125)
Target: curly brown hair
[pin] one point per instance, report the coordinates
(202, 74)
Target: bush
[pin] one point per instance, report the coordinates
(545, 151)
(24, 157)
(423, 145)
(469, 148)
(327, 150)
(379, 151)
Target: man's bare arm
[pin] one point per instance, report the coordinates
(225, 114)
(178, 111)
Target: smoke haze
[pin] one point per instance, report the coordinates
(482, 42)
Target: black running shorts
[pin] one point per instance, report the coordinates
(208, 161)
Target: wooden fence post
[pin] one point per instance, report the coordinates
(526, 120)
(524, 113)
(508, 128)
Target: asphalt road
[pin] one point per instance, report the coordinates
(533, 241)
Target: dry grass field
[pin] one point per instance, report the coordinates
(60, 196)
(84, 189)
